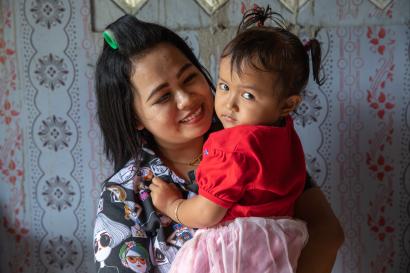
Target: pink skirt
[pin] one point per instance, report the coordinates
(245, 245)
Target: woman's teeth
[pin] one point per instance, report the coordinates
(193, 115)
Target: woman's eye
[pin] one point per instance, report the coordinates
(163, 98)
(223, 87)
(248, 96)
(190, 78)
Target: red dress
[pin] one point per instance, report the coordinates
(253, 170)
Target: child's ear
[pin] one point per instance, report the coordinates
(290, 105)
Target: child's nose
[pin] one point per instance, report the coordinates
(231, 103)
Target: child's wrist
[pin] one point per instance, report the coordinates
(176, 204)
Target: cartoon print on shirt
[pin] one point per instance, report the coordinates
(143, 186)
(132, 211)
(159, 168)
(165, 220)
(134, 257)
(137, 231)
(148, 227)
(108, 234)
(130, 184)
(143, 171)
(118, 194)
(124, 175)
(180, 235)
(177, 179)
(159, 256)
(102, 248)
(100, 205)
(152, 221)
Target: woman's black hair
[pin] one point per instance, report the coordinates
(274, 49)
(114, 90)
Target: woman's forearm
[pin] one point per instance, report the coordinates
(325, 232)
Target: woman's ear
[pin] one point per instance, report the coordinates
(290, 105)
(140, 127)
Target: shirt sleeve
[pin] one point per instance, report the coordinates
(222, 177)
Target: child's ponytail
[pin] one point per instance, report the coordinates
(313, 46)
(258, 16)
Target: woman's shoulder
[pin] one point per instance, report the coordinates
(125, 174)
(133, 168)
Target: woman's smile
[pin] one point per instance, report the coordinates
(193, 117)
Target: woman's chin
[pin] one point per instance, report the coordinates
(197, 129)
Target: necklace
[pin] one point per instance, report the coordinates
(194, 162)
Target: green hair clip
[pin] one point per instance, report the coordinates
(110, 39)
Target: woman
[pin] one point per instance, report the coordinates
(155, 108)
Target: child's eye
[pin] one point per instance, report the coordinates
(248, 96)
(223, 87)
(163, 98)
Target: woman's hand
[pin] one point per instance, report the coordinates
(163, 195)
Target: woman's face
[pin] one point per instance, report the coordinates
(173, 99)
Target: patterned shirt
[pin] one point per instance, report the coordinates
(129, 235)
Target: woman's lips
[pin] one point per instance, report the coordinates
(193, 116)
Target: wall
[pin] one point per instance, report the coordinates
(355, 129)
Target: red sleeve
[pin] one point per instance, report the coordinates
(222, 176)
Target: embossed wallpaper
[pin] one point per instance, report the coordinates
(355, 129)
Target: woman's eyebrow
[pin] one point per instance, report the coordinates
(156, 89)
(163, 85)
(183, 68)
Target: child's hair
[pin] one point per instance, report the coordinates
(274, 49)
(129, 39)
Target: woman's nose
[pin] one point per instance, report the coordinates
(183, 99)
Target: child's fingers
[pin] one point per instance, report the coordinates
(157, 181)
(152, 187)
(173, 186)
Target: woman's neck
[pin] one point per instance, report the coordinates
(181, 153)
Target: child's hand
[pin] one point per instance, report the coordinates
(163, 194)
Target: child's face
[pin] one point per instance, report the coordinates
(248, 99)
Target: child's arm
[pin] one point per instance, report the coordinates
(196, 212)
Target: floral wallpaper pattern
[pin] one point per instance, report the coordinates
(355, 129)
